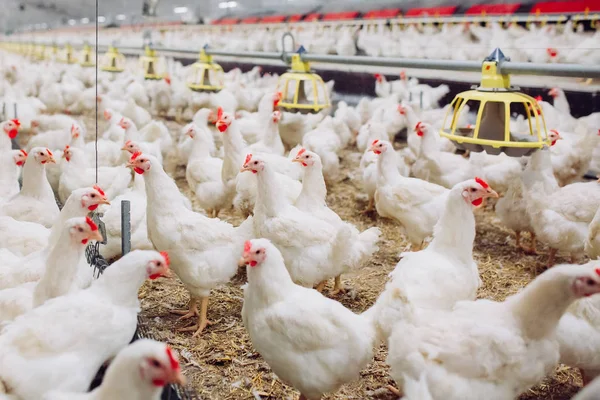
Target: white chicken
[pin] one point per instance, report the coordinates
(562, 219)
(10, 129)
(485, 349)
(310, 254)
(34, 241)
(312, 200)
(77, 173)
(35, 202)
(437, 166)
(204, 251)
(416, 204)
(446, 271)
(75, 334)
(139, 372)
(311, 342)
(11, 162)
(203, 172)
(59, 273)
(270, 142)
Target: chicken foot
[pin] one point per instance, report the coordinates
(203, 322)
(321, 286)
(192, 310)
(370, 206)
(338, 287)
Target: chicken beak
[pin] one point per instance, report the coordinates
(491, 193)
(96, 235)
(297, 160)
(124, 148)
(104, 200)
(130, 165)
(245, 168)
(51, 160)
(177, 378)
(241, 262)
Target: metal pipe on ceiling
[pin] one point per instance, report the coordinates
(507, 67)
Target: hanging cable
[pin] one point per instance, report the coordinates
(96, 66)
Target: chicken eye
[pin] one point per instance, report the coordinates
(257, 252)
(591, 282)
(93, 195)
(155, 363)
(306, 156)
(158, 263)
(473, 190)
(255, 162)
(80, 229)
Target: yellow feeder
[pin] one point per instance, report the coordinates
(113, 61)
(206, 76)
(87, 56)
(68, 55)
(154, 68)
(298, 84)
(493, 100)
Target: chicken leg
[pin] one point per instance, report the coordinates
(370, 206)
(192, 310)
(518, 239)
(338, 287)
(203, 322)
(586, 379)
(321, 286)
(533, 247)
(552, 257)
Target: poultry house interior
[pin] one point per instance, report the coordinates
(257, 199)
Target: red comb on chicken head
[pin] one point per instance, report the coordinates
(553, 136)
(20, 157)
(378, 147)
(93, 198)
(93, 229)
(303, 158)
(162, 368)
(379, 78)
(223, 120)
(475, 191)
(159, 266)
(420, 128)
(252, 164)
(139, 162)
(11, 128)
(253, 255)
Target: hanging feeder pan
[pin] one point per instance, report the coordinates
(206, 76)
(67, 57)
(113, 61)
(494, 100)
(87, 57)
(301, 89)
(153, 67)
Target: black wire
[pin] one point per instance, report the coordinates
(97, 59)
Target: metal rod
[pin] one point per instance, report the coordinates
(245, 54)
(446, 65)
(125, 227)
(569, 70)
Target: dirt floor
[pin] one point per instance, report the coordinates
(222, 364)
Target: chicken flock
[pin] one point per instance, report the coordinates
(59, 323)
(540, 43)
